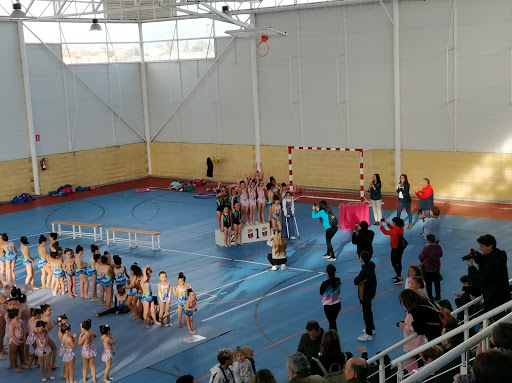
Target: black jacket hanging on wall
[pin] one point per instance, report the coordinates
(209, 167)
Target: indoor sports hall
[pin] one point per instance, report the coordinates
(122, 121)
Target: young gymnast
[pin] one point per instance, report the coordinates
(221, 198)
(164, 298)
(105, 273)
(53, 239)
(43, 264)
(252, 201)
(17, 337)
(244, 201)
(93, 272)
(46, 317)
(86, 340)
(120, 306)
(81, 272)
(274, 215)
(133, 288)
(189, 309)
(120, 274)
(10, 256)
(68, 342)
(70, 272)
(62, 320)
(226, 226)
(58, 274)
(35, 316)
(27, 262)
(180, 290)
(43, 349)
(260, 191)
(108, 343)
(2, 263)
(148, 303)
(237, 224)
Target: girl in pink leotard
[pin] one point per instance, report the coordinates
(261, 200)
(252, 201)
(244, 201)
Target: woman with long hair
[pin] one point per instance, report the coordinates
(278, 255)
(376, 198)
(425, 317)
(331, 357)
(395, 231)
(330, 291)
(404, 198)
(324, 212)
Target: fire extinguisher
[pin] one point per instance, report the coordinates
(43, 163)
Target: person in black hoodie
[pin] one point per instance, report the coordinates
(363, 238)
(491, 274)
(367, 284)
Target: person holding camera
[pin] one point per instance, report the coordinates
(363, 238)
(491, 274)
(426, 196)
(394, 232)
(330, 222)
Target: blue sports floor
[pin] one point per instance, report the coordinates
(242, 302)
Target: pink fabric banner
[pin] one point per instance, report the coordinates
(352, 214)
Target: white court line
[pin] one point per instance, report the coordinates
(235, 260)
(257, 299)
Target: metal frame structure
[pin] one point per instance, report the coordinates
(361, 164)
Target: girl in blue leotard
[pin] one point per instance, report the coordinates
(105, 276)
(43, 263)
(133, 287)
(147, 297)
(120, 274)
(58, 273)
(27, 262)
(92, 272)
(81, 272)
(10, 255)
(69, 268)
(164, 298)
(181, 292)
(189, 309)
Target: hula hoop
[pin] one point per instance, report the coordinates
(204, 196)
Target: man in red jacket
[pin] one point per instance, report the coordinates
(426, 196)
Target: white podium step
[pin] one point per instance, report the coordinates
(250, 233)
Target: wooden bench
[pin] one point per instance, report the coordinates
(155, 244)
(78, 233)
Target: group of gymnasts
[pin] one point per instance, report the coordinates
(240, 204)
(30, 341)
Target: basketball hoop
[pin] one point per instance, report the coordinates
(264, 39)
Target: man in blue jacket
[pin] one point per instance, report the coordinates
(367, 285)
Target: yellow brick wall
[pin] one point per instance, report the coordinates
(464, 175)
(83, 168)
(16, 178)
(185, 160)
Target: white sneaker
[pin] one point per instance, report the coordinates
(283, 267)
(364, 337)
(292, 237)
(274, 268)
(373, 332)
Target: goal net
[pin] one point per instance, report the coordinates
(326, 173)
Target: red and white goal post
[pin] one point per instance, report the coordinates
(326, 173)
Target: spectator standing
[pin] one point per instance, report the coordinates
(404, 198)
(309, 344)
(491, 274)
(363, 238)
(425, 318)
(330, 291)
(330, 223)
(223, 372)
(426, 196)
(432, 224)
(376, 198)
(299, 371)
(430, 258)
(367, 287)
(394, 232)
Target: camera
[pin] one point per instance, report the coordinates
(398, 324)
(472, 255)
(383, 219)
(314, 204)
